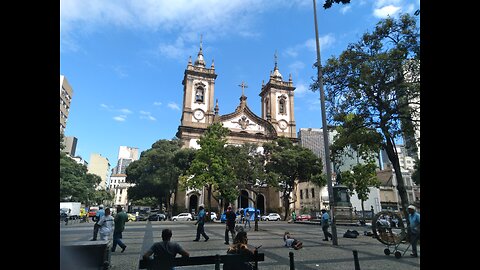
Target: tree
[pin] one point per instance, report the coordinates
(155, 173)
(210, 167)
(416, 173)
(76, 184)
(360, 179)
(328, 3)
(248, 168)
(378, 80)
(287, 163)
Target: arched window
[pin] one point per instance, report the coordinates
(199, 93)
(281, 106)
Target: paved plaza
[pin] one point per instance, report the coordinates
(316, 254)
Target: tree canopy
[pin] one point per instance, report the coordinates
(287, 163)
(156, 172)
(210, 167)
(378, 80)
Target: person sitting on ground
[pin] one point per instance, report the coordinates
(240, 246)
(292, 242)
(164, 252)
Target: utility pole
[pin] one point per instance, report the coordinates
(331, 203)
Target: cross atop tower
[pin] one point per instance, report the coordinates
(275, 57)
(243, 85)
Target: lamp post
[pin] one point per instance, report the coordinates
(325, 131)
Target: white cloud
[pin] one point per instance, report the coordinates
(173, 106)
(120, 71)
(345, 9)
(126, 111)
(147, 115)
(311, 45)
(157, 103)
(120, 118)
(386, 11)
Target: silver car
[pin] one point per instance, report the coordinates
(271, 216)
(183, 216)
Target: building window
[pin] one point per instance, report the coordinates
(199, 94)
(301, 194)
(281, 106)
(313, 193)
(306, 193)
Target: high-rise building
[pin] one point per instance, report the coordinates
(100, 166)
(66, 93)
(127, 152)
(70, 143)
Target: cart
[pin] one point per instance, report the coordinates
(389, 228)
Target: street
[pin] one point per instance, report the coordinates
(315, 254)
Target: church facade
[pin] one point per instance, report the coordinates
(199, 111)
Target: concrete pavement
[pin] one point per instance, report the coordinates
(315, 254)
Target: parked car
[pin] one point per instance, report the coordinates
(157, 217)
(213, 216)
(142, 216)
(183, 216)
(131, 217)
(304, 217)
(271, 216)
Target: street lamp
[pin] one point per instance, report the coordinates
(325, 131)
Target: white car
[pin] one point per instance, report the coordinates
(183, 216)
(272, 216)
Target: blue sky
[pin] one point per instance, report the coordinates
(125, 59)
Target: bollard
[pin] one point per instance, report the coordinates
(217, 262)
(355, 259)
(292, 263)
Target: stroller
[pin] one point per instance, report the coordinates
(389, 229)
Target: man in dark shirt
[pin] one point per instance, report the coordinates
(164, 252)
(230, 216)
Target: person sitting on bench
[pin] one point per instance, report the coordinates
(240, 246)
(164, 252)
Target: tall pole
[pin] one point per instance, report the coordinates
(325, 132)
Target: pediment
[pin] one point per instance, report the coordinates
(244, 120)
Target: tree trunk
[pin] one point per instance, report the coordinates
(363, 212)
(209, 192)
(286, 203)
(393, 157)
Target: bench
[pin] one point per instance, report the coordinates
(211, 259)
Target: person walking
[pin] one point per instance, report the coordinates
(294, 216)
(413, 228)
(325, 221)
(100, 213)
(201, 224)
(230, 224)
(164, 252)
(247, 219)
(106, 223)
(120, 219)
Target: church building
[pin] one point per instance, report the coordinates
(199, 111)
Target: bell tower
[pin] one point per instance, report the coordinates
(278, 102)
(198, 91)
(198, 110)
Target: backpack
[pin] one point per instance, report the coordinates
(351, 234)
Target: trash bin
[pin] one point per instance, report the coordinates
(85, 255)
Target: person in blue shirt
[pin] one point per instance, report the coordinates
(201, 225)
(325, 224)
(414, 228)
(100, 213)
